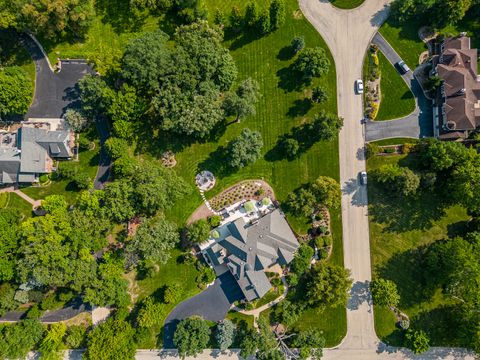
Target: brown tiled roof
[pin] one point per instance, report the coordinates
(458, 70)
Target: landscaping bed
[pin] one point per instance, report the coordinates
(245, 190)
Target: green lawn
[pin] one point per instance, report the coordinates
(88, 161)
(404, 39)
(240, 319)
(398, 230)
(347, 4)
(397, 99)
(13, 201)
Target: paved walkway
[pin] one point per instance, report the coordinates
(256, 312)
(35, 203)
(419, 123)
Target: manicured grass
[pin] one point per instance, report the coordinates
(4, 200)
(88, 162)
(404, 39)
(240, 319)
(269, 296)
(395, 141)
(347, 4)
(13, 201)
(397, 99)
(398, 230)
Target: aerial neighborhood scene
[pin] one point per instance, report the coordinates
(239, 179)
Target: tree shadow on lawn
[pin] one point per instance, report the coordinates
(300, 107)
(400, 214)
(216, 163)
(291, 80)
(119, 14)
(241, 38)
(438, 323)
(408, 271)
(156, 142)
(285, 53)
(303, 134)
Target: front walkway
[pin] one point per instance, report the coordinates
(12, 189)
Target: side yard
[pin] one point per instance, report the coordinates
(398, 231)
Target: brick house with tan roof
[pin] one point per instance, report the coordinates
(458, 98)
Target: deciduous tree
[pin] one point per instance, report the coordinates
(384, 292)
(245, 149)
(311, 63)
(327, 285)
(191, 336)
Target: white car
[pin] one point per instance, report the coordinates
(363, 178)
(359, 86)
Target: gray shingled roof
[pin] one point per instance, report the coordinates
(9, 166)
(36, 144)
(253, 248)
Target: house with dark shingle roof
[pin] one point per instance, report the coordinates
(458, 99)
(248, 250)
(30, 151)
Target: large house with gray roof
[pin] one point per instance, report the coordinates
(248, 250)
(30, 151)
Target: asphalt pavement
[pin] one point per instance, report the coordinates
(416, 125)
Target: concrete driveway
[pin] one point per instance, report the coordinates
(212, 304)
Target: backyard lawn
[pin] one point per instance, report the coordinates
(397, 99)
(398, 230)
(347, 4)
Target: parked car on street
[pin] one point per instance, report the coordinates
(403, 67)
(363, 178)
(359, 86)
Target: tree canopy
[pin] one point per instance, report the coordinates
(327, 285)
(153, 241)
(311, 63)
(191, 336)
(384, 292)
(245, 149)
(116, 335)
(15, 92)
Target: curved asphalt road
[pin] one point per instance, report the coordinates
(419, 123)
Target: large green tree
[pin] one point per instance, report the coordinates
(327, 285)
(384, 292)
(245, 149)
(191, 336)
(311, 63)
(116, 335)
(49, 18)
(20, 338)
(15, 92)
(225, 334)
(327, 125)
(153, 241)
